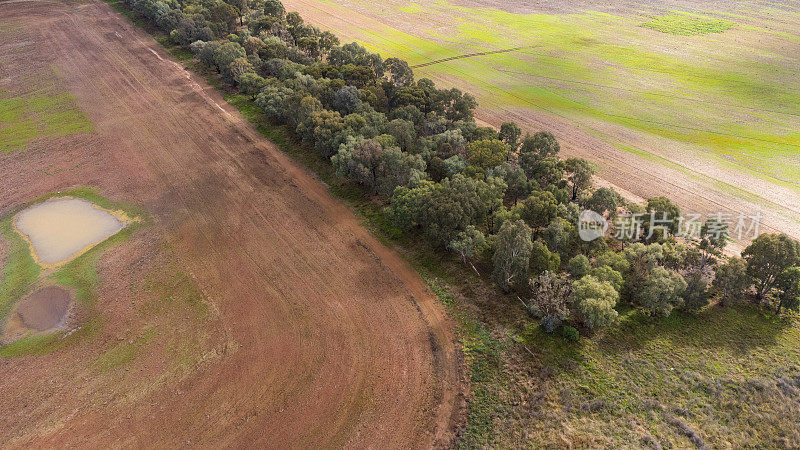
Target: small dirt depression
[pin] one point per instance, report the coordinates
(61, 229)
(44, 309)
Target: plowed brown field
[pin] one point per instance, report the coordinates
(316, 335)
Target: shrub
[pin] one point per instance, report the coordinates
(570, 333)
(578, 267)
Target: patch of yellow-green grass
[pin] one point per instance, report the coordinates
(80, 274)
(16, 135)
(413, 8)
(122, 353)
(5, 27)
(171, 287)
(20, 270)
(28, 117)
(688, 25)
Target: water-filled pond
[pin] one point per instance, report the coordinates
(60, 229)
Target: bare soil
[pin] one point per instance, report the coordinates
(315, 333)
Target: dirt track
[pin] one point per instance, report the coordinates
(317, 334)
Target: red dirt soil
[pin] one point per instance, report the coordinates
(317, 334)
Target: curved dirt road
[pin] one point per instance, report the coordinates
(317, 335)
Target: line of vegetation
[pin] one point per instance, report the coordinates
(499, 202)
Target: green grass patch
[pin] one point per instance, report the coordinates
(701, 367)
(29, 117)
(20, 270)
(122, 353)
(687, 25)
(170, 287)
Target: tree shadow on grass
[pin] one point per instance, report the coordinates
(738, 330)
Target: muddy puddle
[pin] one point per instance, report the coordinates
(45, 309)
(61, 229)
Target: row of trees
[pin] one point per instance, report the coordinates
(499, 200)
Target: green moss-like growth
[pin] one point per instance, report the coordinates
(687, 25)
(25, 118)
(20, 270)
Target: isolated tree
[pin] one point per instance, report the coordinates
(767, 257)
(595, 301)
(732, 281)
(509, 134)
(788, 284)
(512, 254)
(251, 84)
(579, 174)
(664, 216)
(551, 294)
(468, 243)
(661, 292)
